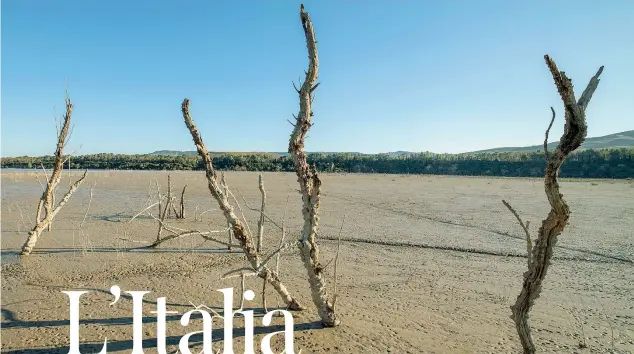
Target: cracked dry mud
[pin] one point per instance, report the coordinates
(428, 264)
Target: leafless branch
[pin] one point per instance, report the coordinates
(575, 131)
(262, 211)
(309, 182)
(547, 132)
(239, 231)
(47, 201)
(89, 202)
(529, 244)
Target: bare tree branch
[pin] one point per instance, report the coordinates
(548, 132)
(266, 216)
(309, 182)
(47, 201)
(334, 296)
(239, 232)
(223, 182)
(575, 131)
(262, 210)
(529, 244)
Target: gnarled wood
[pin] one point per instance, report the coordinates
(47, 201)
(239, 232)
(309, 182)
(575, 131)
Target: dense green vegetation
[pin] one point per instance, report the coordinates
(605, 163)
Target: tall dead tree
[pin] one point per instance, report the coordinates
(575, 131)
(246, 242)
(47, 201)
(309, 181)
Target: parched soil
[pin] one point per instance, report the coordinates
(427, 264)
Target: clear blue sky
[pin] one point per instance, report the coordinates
(441, 76)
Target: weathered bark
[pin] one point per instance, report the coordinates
(239, 232)
(309, 182)
(575, 131)
(262, 211)
(47, 201)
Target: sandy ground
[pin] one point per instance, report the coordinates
(413, 288)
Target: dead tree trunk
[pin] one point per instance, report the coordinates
(47, 200)
(239, 232)
(309, 182)
(262, 211)
(169, 194)
(182, 208)
(180, 213)
(575, 131)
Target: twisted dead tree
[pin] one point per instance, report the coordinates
(47, 201)
(309, 182)
(259, 267)
(575, 131)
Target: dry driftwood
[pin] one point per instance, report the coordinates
(47, 201)
(575, 131)
(309, 182)
(239, 232)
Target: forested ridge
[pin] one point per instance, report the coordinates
(602, 163)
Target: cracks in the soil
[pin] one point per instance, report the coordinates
(615, 259)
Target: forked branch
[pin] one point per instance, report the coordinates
(575, 131)
(47, 201)
(239, 231)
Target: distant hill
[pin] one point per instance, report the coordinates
(173, 153)
(618, 140)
